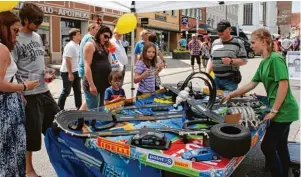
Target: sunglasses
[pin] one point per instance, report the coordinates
(106, 36)
(221, 28)
(37, 22)
(16, 30)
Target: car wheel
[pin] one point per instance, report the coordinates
(230, 140)
(215, 157)
(251, 54)
(136, 141)
(157, 143)
(193, 159)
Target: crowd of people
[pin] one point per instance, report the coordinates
(27, 107)
(286, 44)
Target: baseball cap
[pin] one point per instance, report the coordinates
(223, 25)
(193, 35)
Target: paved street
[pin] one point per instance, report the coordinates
(178, 70)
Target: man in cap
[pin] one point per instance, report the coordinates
(195, 46)
(227, 54)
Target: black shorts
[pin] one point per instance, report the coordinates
(197, 57)
(40, 111)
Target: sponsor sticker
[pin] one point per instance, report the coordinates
(254, 140)
(159, 159)
(115, 147)
(182, 164)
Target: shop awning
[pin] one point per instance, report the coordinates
(154, 6)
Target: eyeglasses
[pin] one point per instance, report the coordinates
(37, 21)
(106, 36)
(16, 30)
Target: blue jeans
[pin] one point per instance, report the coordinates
(223, 84)
(67, 85)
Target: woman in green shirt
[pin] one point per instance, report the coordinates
(273, 73)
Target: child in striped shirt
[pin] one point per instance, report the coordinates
(146, 70)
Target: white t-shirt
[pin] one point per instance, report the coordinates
(11, 69)
(71, 50)
(120, 53)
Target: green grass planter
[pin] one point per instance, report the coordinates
(180, 54)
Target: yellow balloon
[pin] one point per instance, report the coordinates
(126, 23)
(7, 5)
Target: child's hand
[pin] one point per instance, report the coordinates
(120, 97)
(147, 73)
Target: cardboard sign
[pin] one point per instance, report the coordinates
(293, 64)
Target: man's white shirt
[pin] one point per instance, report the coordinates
(71, 50)
(120, 52)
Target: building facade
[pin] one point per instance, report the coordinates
(295, 25)
(166, 26)
(221, 12)
(252, 16)
(284, 14)
(188, 21)
(60, 17)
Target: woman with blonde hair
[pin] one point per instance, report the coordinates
(273, 73)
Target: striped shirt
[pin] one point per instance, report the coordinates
(233, 48)
(147, 84)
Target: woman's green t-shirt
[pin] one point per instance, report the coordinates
(270, 71)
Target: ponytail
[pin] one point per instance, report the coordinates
(264, 34)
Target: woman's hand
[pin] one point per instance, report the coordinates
(225, 98)
(93, 90)
(270, 116)
(31, 84)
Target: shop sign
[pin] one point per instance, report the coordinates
(184, 20)
(160, 18)
(115, 147)
(159, 159)
(61, 12)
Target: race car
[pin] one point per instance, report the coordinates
(149, 138)
(200, 154)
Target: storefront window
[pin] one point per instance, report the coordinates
(44, 33)
(66, 26)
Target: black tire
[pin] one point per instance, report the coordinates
(193, 159)
(214, 157)
(251, 54)
(230, 140)
(136, 142)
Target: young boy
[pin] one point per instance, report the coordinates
(115, 92)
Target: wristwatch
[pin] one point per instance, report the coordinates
(274, 111)
(231, 61)
(24, 87)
